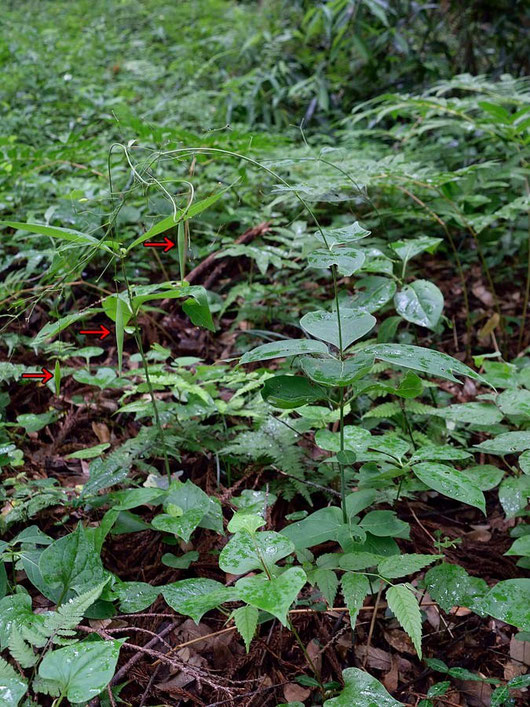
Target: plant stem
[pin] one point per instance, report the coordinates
(306, 655)
(145, 365)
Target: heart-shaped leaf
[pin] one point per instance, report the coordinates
(421, 303)
(246, 552)
(325, 325)
(194, 597)
(272, 595)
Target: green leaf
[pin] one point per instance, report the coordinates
(435, 363)
(181, 215)
(69, 566)
(356, 439)
(181, 562)
(347, 260)
(470, 413)
(513, 494)
(51, 329)
(521, 546)
(403, 565)
(246, 552)
(289, 392)
(327, 582)
(132, 498)
(438, 452)
(317, 528)
(385, 524)
(194, 597)
(244, 520)
(89, 452)
(372, 293)
(81, 671)
(421, 303)
(355, 588)
(331, 371)
(524, 462)
(506, 443)
(325, 325)
(34, 422)
(407, 249)
(404, 605)
(362, 690)
(246, 621)
(514, 402)
(15, 612)
(123, 314)
(63, 234)
(135, 596)
(346, 234)
(12, 686)
(182, 526)
(272, 595)
(499, 696)
(450, 585)
(485, 476)
(451, 483)
(281, 349)
(508, 601)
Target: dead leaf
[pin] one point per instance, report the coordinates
(482, 294)
(313, 651)
(400, 641)
(478, 694)
(520, 650)
(390, 680)
(377, 658)
(101, 431)
(489, 327)
(295, 693)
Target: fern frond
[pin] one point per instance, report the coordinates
(70, 614)
(384, 410)
(7, 671)
(21, 651)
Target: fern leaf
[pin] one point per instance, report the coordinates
(21, 651)
(69, 615)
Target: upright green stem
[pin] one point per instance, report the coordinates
(341, 399)
(145, 365)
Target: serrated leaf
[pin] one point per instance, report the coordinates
(403, 565)
(355, 588)
(327, 582)
(404, 605)
(246, 621)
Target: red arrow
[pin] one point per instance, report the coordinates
(166, 245)
(45, 375)
(102, 331)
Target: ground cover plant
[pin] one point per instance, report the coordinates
(264, 363)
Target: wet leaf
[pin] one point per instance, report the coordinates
(325, 325)
(246, 552)
(362, 690)
(450, 482)
(272, 595)
(421, 303)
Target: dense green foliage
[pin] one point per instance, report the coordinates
(357, 173)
